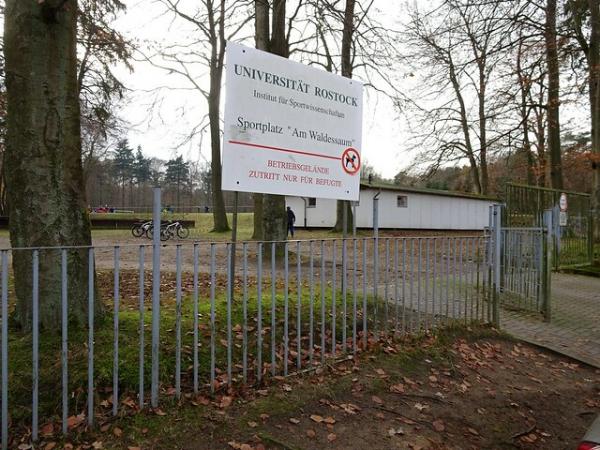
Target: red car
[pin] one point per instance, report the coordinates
(591, 440)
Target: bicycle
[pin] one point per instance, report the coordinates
(139, 228)
(175, 228)
(168, 230)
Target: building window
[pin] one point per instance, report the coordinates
(312, 202)
(402, 201)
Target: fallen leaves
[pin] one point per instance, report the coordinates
(75, 421)
(397, 388)
(396, 431)
(377, 400)
(438, 425)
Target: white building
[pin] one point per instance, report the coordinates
(400, 208)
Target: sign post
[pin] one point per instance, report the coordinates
(563, 204)
(290, 129)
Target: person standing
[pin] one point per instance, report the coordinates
(291, 218)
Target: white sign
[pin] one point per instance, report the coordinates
(562, 203)
(290, 129)
(562, 219)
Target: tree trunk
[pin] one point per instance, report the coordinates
(347, 69)
(464, 123)
(44, 175)
(273, 214)
(540, 134)
(214, 100)
(594, 86)
(553, 96)
(261, 36)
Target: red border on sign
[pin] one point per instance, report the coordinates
(355, 165)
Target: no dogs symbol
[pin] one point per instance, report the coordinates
(351, 161)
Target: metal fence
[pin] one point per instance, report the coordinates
(191, 324)
(574, 243)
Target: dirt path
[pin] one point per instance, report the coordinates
(452, 392)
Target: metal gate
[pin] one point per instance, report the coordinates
(573, 242)
(522, 261)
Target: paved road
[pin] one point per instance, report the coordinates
(575, 326)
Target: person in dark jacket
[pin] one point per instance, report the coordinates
(291, 218)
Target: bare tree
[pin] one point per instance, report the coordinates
(458, 49)
(214, 22)
(584, 21)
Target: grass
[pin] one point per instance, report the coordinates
(20, 353)
(589, 270)
(302, 399)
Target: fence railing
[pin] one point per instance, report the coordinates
(286, 307)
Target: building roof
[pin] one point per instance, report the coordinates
(416, 190)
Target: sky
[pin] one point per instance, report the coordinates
(162, 110)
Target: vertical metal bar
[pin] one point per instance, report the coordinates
(447, 290)
(195, 312)
(298, 306)
(364, 293)
(354, 293)
(420, 245)
(311, 283)
(434, 280)
(403, 285)
(472, 276)
(354, 220)
(259, 262)
(454, 278)
(412, 284)
(286, 336)
(497, 220)
(65, 337)
(212, 317)
(461, 289)
(245, 312)
(155, 298)
(427, 275)
(548, 267)
(4, 389)
(386, 283)
(178, 321)
(322, 301)
(375, 280)
(35, 323)
(333, 295)
(115, 405)
(396, 285)
(142, 313)
(273, 311)
(344, 293)
(465, 283)
(91, 337)
(230, 275)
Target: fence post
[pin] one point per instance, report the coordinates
(547, 274)
(497, 239)
(590, 238)
(155, 296)
(375, 254)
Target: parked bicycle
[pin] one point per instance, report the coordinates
(139, 228)
(168, 230)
